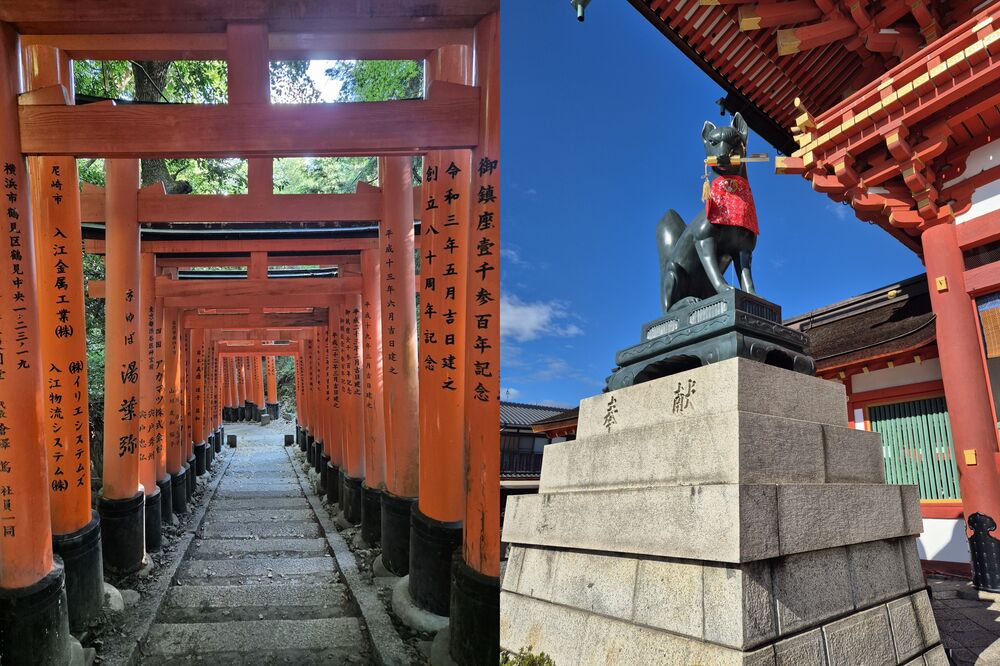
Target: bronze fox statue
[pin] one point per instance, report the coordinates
(694, 257)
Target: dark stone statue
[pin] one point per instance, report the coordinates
(694, 257)
(705, 320)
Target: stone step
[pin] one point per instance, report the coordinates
(223, 515)
(736, 384)
(258, 494)
(206, 572)
(717, 523)
(317, 641)
(222, 603)
(213, 549)
(262, 503)
(732, 447)
(260, 530)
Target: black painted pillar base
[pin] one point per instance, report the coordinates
(154, 521)
(300, 438)
(310, 449)
(432, 544)
(178, 491)
(256, 413)
(227, 414)
(247, 411)
(318, 461)
(333, 483)
(166, 499)
(396, 532)
(474, 630)
(352, 499)
(371, 515)
(241, 413)
(231, 441)
(289, 440)
(220, 437)
(324, 475)
(271, 409)
(192, 476)
(81, 555)
(341, 498)
(34, 622)
(123, 537)
(199, 458)
(209, 452)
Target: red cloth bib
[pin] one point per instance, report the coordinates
(730, 202)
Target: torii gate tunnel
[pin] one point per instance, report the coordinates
(404, 431)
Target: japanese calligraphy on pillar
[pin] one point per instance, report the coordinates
(444, 230)
(484, 283)
(61, 316)
(128, 375)
(17, 372)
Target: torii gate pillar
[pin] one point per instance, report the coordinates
(34, 623)
(122, 497)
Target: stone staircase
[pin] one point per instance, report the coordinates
(258, 584)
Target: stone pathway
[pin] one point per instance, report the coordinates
(258, 584)
(969, 625)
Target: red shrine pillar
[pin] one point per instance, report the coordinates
(372, 393)
(174, 423)
(436, 523)
(198, 399)
(187, 409)
(354, 422)
(335, 444)
(272, 386)
(146, 341)
(34, 624)
(969, 403)
(258, 383)
(55, 202)
(474, 634)
(122, 497)
(399, 361)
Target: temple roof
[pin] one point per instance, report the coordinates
(765, 62)
(877, 324)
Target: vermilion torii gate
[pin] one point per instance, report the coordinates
(363, 405)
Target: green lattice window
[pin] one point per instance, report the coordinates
(917, 447)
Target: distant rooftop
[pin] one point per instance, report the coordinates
(522, 415)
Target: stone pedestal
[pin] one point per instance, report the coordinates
(721, 515)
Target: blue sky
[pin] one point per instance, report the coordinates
(600, 125)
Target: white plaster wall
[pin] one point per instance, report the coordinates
(979, 160)
(985, 199)
(943, 540)
(900, 375)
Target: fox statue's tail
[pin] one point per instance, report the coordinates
(668, 231)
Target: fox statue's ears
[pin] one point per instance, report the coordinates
(741, 126)
(706, 130)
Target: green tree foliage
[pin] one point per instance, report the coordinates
(378, 80)
(93, 269)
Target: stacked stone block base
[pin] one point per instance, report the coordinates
(742, 524)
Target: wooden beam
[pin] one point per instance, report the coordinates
(323, 260)
(291, 349)
(447, 119)
(262, 334)
(271, 320)
(158, 16)
(244, 208)
(222, 290)
(808, 37)
(374, 45)
(208, 247)
(246, 301)
(755, 17)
